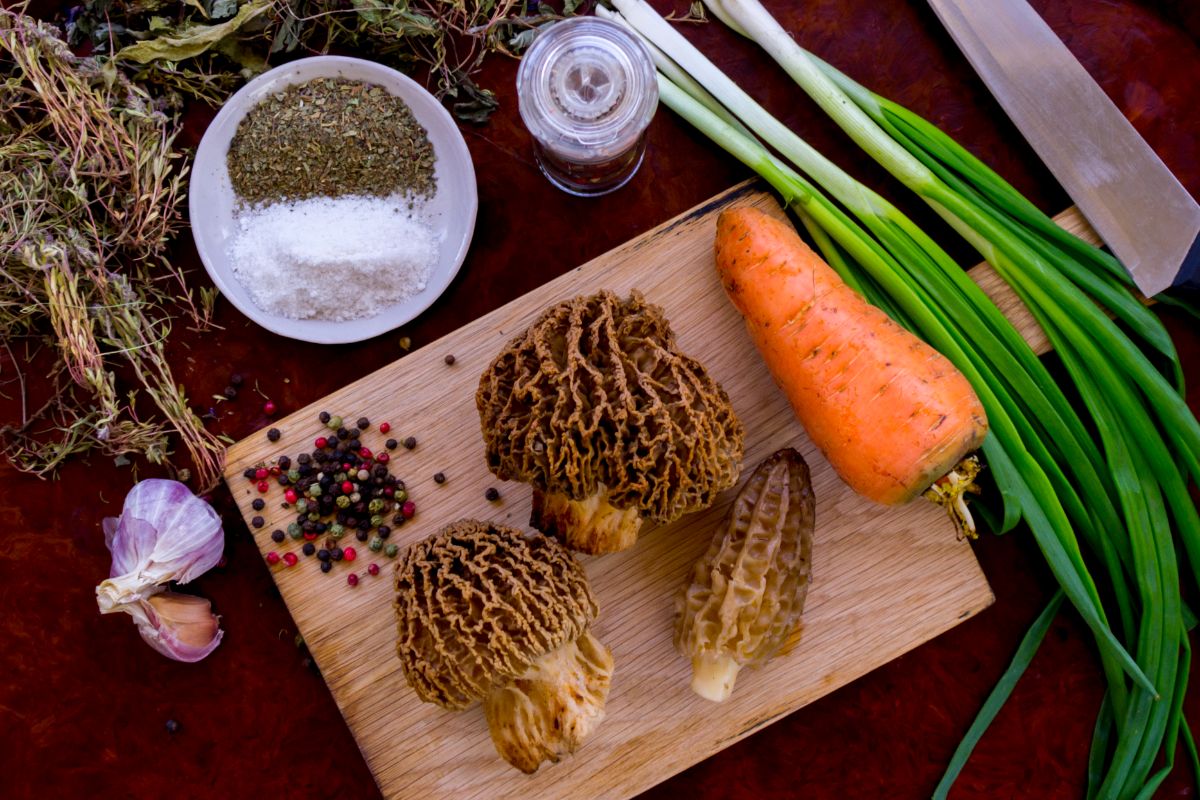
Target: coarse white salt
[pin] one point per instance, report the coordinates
(332, 258)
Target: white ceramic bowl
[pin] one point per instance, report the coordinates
(452, 210)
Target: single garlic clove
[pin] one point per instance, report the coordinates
(180, 626)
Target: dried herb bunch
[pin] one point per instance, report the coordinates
(205, 48)
(89, 193)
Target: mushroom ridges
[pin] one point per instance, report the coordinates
(595, 406)
(490, 613)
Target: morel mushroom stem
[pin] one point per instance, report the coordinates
(713, 675)
(591, 525)
(551, 708)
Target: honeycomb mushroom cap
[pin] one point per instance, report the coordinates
(745, 596)
(595, 397)
(477, 604)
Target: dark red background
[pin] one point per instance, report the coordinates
(83, 701)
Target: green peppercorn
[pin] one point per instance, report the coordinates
(293, 475)
(315, 490)
(343, 501)
(334, 423)
(314, 516)
(391, 550)
(376, 544)
(376, 521)
(301, 505)
(400, 495)
(375, 506)
(336, 530)
(295, 531)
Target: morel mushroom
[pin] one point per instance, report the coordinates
(490, 613)
(595, 406)
(746, 594)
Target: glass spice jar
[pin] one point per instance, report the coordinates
(587, 91)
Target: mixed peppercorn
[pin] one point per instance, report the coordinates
(340, 488)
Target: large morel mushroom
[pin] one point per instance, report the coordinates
(491, 613)
(594, 406)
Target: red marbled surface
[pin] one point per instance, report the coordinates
(83, 701)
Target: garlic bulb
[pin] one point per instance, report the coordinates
(164, 533)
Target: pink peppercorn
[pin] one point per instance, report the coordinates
(263, 486)
(290, 559)
(364, 453)
(290, 495)
(347, 487)
(349, 553)
(374, 568)
(352, 579)
(388, 491)
(272, 558)
(408, 509)
(383, 458)
(275, 471)
(261, 473)
(345, 466)
(320, 442)
(268, 408)
(384, 427)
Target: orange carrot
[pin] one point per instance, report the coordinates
(890, 413)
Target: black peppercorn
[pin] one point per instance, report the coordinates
(323, 554)
(303, 458)
(383, 531)
(390, 444)
(361, 534)
(277, 536)
(336, 554)
(249, 473)
(324, 417)
(363, 423)
(449, 360)
(285, 462)
(321, 527)
(343, 434)
(410, 442)
(273, 435)
(309, 548)
(230, 393)
(258, 504)
(326, 566)
(354, 444)
(398, 520)
(172, 726)
(309, 526)
(492, 494)
(236, 379)
(258, 522)
(438, 477)
(284, 480)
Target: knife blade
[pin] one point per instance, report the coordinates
(1140, 210)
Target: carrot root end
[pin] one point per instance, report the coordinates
(950, 490)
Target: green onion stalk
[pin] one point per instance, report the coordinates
(1117, 492)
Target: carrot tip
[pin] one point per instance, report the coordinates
(950, 490)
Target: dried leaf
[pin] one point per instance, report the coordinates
(193, 41)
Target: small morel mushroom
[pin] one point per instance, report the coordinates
(595, 406)
(746, 595)
(490, 613)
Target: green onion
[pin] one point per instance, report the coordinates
(1105, 480)
(995, 701)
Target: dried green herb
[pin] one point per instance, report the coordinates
(330, 137)
(90, 185)
(206, 48)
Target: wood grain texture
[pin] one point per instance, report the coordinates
(884, 579)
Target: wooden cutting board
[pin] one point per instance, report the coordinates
(884, 579)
